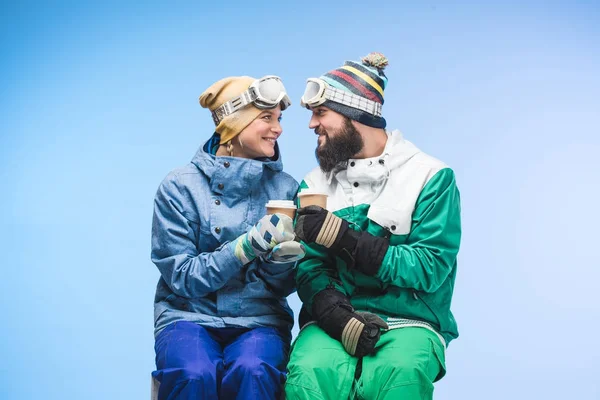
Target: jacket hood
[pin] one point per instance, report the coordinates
(397, 150)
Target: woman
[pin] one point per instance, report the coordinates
(222, 322)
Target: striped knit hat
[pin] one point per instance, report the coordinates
(365, 79)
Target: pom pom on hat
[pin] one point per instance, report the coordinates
(376, 60)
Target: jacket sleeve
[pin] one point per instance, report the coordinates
(187, 272)
(317, 271)
(279, 277)
(429, 254)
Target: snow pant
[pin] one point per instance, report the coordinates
(405, 364)
(193, 362)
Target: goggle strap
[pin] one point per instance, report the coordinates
(231, 106)
(249, 96)
(353, 100)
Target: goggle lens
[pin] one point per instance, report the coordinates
(312, 89)
(271, 90)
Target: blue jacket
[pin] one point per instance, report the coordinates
(198, 210)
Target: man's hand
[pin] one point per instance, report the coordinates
(360, 250)
(317, 225)
(371, 333)
(358, 332)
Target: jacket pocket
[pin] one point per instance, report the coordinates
(206, 242)
(440, 355)
(396, 220)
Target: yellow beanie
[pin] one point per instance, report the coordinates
(224, 90)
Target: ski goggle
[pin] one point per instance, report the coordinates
(318, 91)
(265, 93)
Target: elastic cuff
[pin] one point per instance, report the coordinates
(237, 248)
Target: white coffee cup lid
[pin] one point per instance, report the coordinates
(306, 192)
(281, 203)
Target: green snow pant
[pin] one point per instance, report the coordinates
(404, 366)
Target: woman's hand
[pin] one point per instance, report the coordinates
(271, 230)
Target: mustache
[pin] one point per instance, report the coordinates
(320, 131)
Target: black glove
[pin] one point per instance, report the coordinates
(358, 332)
(317, 225)
(360, 250)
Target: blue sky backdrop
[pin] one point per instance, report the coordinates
(98, 102)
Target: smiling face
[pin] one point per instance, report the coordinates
(258, 139)
(338, 139)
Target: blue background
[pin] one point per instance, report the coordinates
(98, 101)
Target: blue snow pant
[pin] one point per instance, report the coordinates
(194, 362)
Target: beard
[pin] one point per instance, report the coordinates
(339, 147)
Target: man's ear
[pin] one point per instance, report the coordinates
(358, 126)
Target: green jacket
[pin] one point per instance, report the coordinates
(412, 199)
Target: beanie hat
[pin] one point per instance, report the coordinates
(365, 79)
(222, 91)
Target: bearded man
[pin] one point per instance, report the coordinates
(378, 276)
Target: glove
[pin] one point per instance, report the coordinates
(271, 230)
(358, 332)
(286, 252)
(360, 250)
(317, 225)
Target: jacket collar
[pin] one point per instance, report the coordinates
(397, 152)
(205, 160)
(231, 174)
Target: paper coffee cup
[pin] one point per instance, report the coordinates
(286, 207)
(312, 198)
